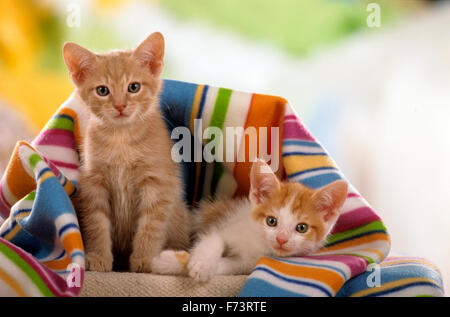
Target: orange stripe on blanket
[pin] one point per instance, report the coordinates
(325, 276)
(72, 241)
(19, 182)
(76, 126)
(356, 242)
(265, 111)
(195, 106)
(69, 188)
(59, 265)
(11, 282)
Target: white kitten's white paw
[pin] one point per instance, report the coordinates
(170, 262)
(202, 269)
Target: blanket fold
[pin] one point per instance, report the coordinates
(38, 224)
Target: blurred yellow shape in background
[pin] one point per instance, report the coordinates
(23, 85)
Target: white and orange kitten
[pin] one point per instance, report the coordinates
(277, 219)
(130, 202)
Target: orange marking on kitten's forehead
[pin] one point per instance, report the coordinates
(297, 196)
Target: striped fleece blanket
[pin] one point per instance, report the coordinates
(41, 251)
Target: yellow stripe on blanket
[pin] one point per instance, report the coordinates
(69, 188)
(195, 106)
(299, 163)
(15, 230)
(45, 176)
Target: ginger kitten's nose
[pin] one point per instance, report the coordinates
(281, 240)
(120, 108)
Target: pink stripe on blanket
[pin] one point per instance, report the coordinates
(290, 117)
(58, 137)
(5, 207)
(64, 164)
(56, 283)
(356, 264)
(351, 195)
(295, 130)
(353, 219)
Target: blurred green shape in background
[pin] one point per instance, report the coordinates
(297, 26)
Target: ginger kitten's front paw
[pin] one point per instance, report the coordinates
(202, 269)
(95, 262)
(140, 264)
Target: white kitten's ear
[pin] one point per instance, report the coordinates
(78, 60)
(151, 53)
(262, 182)
(329, 199)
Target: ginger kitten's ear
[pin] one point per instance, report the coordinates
(78, 60)
(262, 182)
(150, 53)
(329, 199)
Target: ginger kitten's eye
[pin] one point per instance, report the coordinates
(302, 227)
(271, 221)
(102, 91)
(134, 87)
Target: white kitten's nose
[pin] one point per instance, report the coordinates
(281, 240)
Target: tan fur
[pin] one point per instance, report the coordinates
(127, 174)
(210, 212)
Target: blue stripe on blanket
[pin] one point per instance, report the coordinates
(303, 153)
(301, 143)
(320, 180)
(65, 227)
(260, 288)
(176, 102)
(64, 116)
(313, 170)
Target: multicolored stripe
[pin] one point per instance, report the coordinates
(398, 277)
(37, 211)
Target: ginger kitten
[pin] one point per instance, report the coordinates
(130, 203)
(277, 219)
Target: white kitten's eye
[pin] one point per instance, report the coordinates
(134, 87)
(271, 221)
(102, 91)
(302, 227)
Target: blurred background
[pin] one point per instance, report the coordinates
(371, 79)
